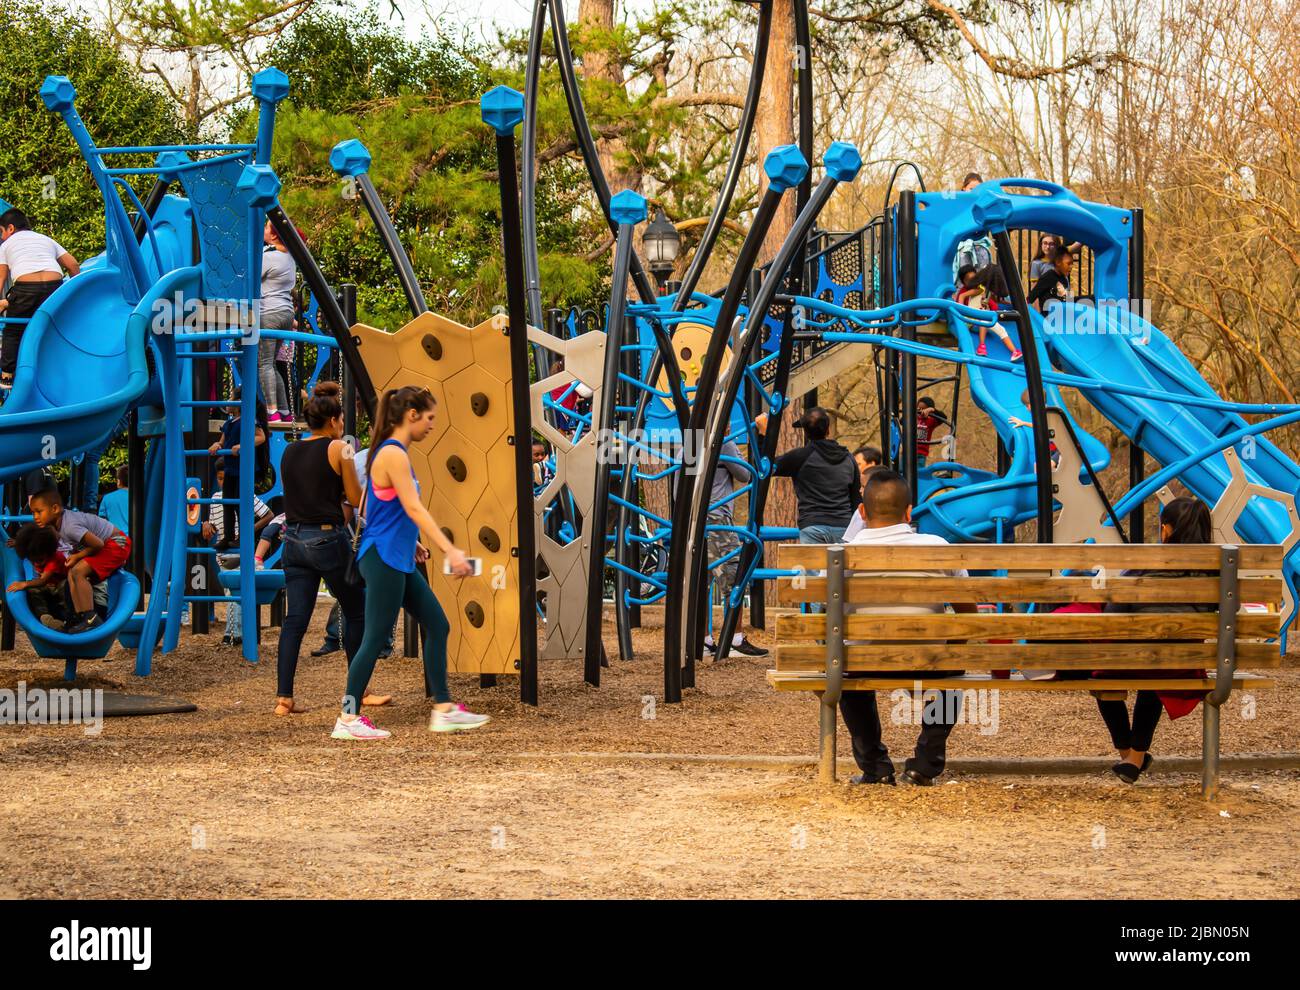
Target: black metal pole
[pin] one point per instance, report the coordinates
(705, 385)
(1034, 382)
(392, 245)
(739, 149)
(327, 306)
(905, 239)
(348, 303)
(587, 143)
(629, 209)
(510, 114)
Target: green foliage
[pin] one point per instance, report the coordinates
(414, 104)
(41, 170)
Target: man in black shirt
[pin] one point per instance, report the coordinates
(827, 486)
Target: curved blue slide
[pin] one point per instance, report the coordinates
(1113, 347)
(81, 366)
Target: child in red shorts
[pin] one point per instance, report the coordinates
(99, 549)
(45, 592)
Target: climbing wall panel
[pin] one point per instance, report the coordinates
(466, 471)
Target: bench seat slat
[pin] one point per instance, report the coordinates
(811, 657)
(809, 682)
(974, 590)
(985, 557)
(1015, 625)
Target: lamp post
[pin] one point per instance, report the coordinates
(661, 242)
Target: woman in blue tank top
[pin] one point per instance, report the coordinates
(395, 518)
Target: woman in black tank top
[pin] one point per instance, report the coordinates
(318, 477)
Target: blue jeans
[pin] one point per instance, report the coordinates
(313, 554)
(822, 534)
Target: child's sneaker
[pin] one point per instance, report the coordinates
(1016, 355)
(982, 351)
(359, 728)
(83, 623)
(459, 719)
(53, 622)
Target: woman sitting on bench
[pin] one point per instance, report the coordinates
(1184, 520)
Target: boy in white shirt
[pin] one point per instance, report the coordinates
(34, 262)
(886, 512)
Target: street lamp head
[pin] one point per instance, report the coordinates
(662, 242)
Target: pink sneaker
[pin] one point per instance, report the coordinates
(982, 351)
(1016, 355)
(359, 728)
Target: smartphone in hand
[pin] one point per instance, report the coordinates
(474, 562)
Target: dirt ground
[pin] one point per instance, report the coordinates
(231, 801)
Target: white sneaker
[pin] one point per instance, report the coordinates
(358, 728)
(459, 719)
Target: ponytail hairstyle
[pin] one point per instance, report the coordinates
(325, 404)
(1188, 520)
(393, 406)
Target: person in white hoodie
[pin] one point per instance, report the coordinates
(886, 513)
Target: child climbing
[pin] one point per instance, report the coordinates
(279, 273)
(982, 289)
(35, 264)
(100, 549)
(45, 592)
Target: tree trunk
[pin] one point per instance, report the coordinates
(602, 66)
(774, 123)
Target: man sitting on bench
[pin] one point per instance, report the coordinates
(887, 515)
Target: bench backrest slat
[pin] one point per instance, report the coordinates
(1114, 557)
(909, 590)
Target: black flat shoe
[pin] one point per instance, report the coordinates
(1126, 772)
(917, 779)
(862, 778)
(1146, 762)
(325, 651)
(749, 649)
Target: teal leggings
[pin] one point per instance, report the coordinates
(387, 591)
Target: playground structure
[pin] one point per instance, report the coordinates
(174, 287)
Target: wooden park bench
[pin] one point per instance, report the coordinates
(815, 652)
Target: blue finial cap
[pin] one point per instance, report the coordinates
(58, 93)
(842, 161)
(785, 167)
(627, 207)
(991, 211)
(169, 162)
(502, 109)
(350, 157)
(270, 85)
(260, 184)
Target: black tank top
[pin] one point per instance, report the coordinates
(313, 491)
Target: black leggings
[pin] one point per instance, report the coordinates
(1138, 734)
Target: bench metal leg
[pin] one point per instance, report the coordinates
(826, 767)
(1209, 751)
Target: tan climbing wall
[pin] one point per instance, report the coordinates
(466, 471)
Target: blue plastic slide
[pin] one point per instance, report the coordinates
(1113, 347)
(963, 504)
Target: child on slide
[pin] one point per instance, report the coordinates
(978, 288)
(45, 592)
(100, 549)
